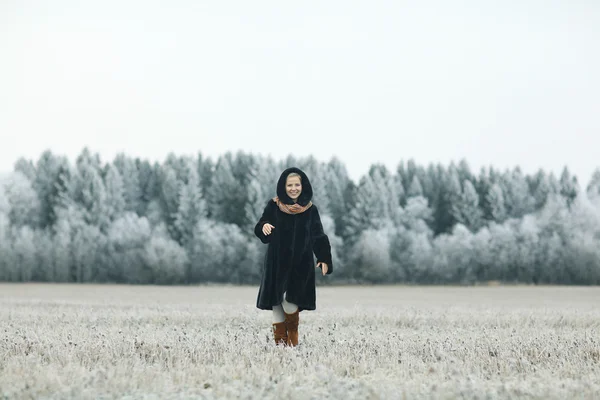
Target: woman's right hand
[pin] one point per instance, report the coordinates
(267, 228)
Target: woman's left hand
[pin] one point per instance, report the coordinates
(323, 267)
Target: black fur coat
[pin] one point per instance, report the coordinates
(289, 265)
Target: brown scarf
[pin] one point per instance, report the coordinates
(291, 208)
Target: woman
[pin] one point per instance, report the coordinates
(292, 227)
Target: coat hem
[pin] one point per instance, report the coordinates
(270, 308)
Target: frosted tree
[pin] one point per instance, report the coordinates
(155, 208)
(221, 253)
(148, 183)
(227, 195)
(6, 250)
(168, 200)
(24, 205)
(370, 256)
(410, 249)
(205, 172)
(89, 192)
(179, 165)
(399, 189)
(453, 256)
(308, 164)
(495, 200)
(87, 244)
(243, 164)
(165, 259)
(417, 215)
(417, 260)
(131, 183)
(518, 199)
(415, 188)
(543, 185)
(75, 245)
(466, 209)
(89, 158)
(552, 217)
(593, 188)
(337, 182)
(191, 209)
(569, 187)
(551, 266)
(464, 171)
(61, 254)
(26, 167)
(4, 203)
(93, 197)
(408, 237)
(482, 258)
(576, 225)
(24, 257)
(290, 161)
(376, 204)
(483, 186)
(127, 239)
(448, 195)
(503, 250)
(63, 193)
(262, 188)
(319, 182)
(527, 250)
(48, 168)
(115, 193)
(426, 178)
(407, 173)
(5, 240)
(385, 185)
(555, 225)
(583, 241)
(44, 252)
(403, 175)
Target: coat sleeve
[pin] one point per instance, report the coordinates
(321, 245)
(267, 216)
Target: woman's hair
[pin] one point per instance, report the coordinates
(291, 175)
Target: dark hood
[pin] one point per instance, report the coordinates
(307, 191)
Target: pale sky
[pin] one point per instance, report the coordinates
(503, 83)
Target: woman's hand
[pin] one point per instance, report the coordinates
(323, 267)
(267, 228)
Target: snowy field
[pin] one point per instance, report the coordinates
(393, 342)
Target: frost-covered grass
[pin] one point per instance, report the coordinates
(92, 341)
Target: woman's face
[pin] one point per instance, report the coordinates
(293, 187)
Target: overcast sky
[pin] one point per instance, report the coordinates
(502, 83)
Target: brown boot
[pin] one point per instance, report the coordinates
(280, 333)
(292, 320)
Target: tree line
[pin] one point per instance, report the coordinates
(190, 220)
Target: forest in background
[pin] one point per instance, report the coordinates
(190, 219)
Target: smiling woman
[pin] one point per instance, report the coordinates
(293, 186)
(292, 227)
